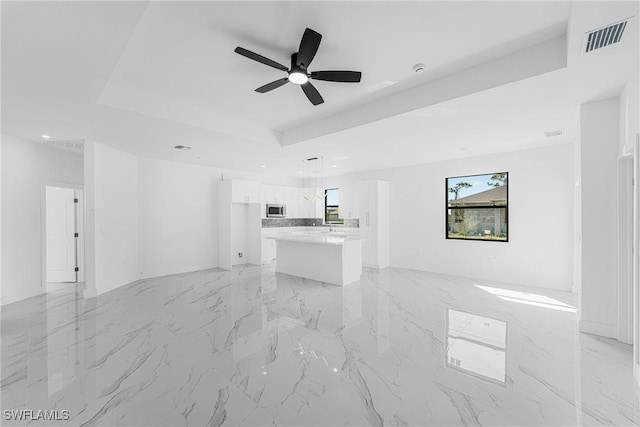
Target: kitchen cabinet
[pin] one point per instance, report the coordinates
(292, 194)
(293, 198)
(350, 196)
(278, 195)
(245, 191)
(335, 260)
(267, 194)
(268, 251)
(273, 194)
(373, 211)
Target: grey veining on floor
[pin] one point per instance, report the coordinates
(251, 347)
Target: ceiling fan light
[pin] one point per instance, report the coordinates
(298, 78)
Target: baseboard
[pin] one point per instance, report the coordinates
(10, 299)
(595, 328)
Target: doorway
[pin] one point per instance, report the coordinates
(62, 232)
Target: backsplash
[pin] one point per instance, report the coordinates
(305, 222)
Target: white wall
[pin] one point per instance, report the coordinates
(178, 217)
(599, 146)
(240, 218)
(629, 122)
(148, 217)
(26, 169)
(629, 115)
(539, 251)
(178, 222)
(629, 131)
(114, 214)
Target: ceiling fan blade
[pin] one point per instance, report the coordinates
(266, 61)
(337, 76)
(308, 47)
(273, 85)
(312, 93)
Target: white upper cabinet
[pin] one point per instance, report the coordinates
(267, 193)
(291, 200)
(245, 191)
(278, 195)
(253, 191)
(350, 196)
(273, 195)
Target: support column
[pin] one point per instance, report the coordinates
(597, 236)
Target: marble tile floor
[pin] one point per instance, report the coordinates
(252, 347)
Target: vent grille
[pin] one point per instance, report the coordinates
(603, 37)
(553, 133)
(77, 146)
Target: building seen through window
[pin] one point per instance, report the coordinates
(332, 206)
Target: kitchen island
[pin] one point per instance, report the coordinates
(334, 259)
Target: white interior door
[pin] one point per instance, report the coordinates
(61, 240)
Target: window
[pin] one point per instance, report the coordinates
(477, 207)
(332, 206)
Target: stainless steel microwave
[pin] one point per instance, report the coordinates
(276, 211)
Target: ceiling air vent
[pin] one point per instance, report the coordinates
(605, 36)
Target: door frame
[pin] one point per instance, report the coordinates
(636, 259)
(80, 228)
(625, 277)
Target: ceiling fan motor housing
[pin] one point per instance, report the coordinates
(298, 73)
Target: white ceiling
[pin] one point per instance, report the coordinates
(144, 77)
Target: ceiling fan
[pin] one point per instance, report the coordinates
(299, 73)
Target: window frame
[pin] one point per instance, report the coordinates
(487, 206)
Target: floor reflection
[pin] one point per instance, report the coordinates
(252, 347)
(477, 345)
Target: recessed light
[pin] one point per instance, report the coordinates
(300, 172)
(182, 147)
(263, 166)
(334, 166)
(45, 136)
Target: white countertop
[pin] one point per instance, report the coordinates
(317, 238)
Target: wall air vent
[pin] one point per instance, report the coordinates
(603, 37)
(77, 145)
(553, 133)
(182, 147)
